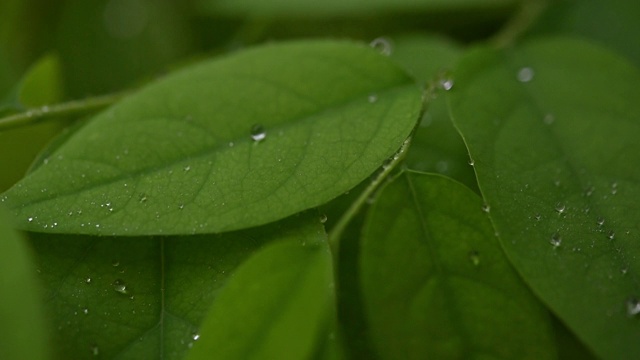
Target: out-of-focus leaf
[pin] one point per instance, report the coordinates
(23, 330)
(275, 306)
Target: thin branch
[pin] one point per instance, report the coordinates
(520, 23)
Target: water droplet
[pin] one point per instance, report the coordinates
(142, 198)
(115, 263)
(195, 336)
(383, 45)
(549, 119)
(120, 286)
(600, 221)
(323, 218)
(624, 270)
(633, 306)
(474, 257)
(85, 311)
(525, 74)
(258, 133)
(94, 350)
(486, 208)
(537, 217)
(88, 280)
(372, 98)
(555, 240)
(614, 188)
(187, 168)
(471, 162)
(560, 208)
(589, 191)
(181, 206)
(30, 219)
(231, 144)
(611, 235)
(446, 84)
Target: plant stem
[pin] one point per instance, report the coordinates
(37, 115)
(526, 16)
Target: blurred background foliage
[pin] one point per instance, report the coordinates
(60, 50)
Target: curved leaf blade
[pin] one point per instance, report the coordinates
(276, 306)
(118, 298)
(433, 275)
(555, 149)
(23, 330)
(178, 157)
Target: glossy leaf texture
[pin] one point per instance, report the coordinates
(23, 330)
(277, 305)
(436, 283)
(555, 147)
(228, 144)
(341, 7)
(146, 298)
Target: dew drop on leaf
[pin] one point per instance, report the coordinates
(549, 119)
(372, 98)
(560, 208)
(486, 208)
(115, 263)
(446, 83)
(120, 286)
(85, 311)
(383, 45)
(471, 162)
(88, 280)
(187, 168)
(525, 74)
(323, 218)
(600, 221)
(633, 306)
(258, 133)
(195, 336)
(94, 350)
(556, 240)
(611, 235)
(474, 257)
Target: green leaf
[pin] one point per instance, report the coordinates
(178, 157)
(41, 85)
(276, 306)
(555, 144)
(23, 331)
(146, 297)
(342, 7)
(436, 283)
(436, 146)
(613, 23)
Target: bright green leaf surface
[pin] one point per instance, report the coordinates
(145, 298)
(23, 329)
(276, 306)
(178, 157)
(436, 282)
(342, 7)
(553, 128)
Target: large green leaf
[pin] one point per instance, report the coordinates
(342, 7)
(146, 299)
(23, 331)
(553, 127)
(276, 306)
(187, 154)
(436, 283)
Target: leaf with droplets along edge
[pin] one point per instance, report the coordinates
(556, 156)
(433, 275)
(23, 330)
(178, 157)
(147, 298)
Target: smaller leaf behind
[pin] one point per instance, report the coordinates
(436, 283)
(276, 306)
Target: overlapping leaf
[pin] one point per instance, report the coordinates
(232, 143)
(119, 298)
(436, 283)
(553, 128)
